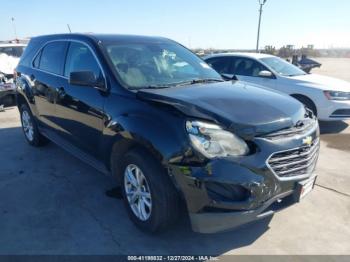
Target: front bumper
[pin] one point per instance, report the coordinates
(333, 110)
(229, 192)
(222, 221)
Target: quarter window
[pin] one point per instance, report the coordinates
(36, 62)
(80, 58)
(52, 58)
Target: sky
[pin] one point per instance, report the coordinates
(221, 24)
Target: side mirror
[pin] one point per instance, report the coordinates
(85, 78)
(229, 77)
(266, 74)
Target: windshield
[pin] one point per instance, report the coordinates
(282, 67)
(150, 65)
(15, 51)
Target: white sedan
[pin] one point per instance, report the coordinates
(327, 97)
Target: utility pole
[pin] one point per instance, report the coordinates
(14, 27)
(261, 3)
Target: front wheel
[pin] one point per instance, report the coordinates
(137, 192)
(149, 196)
(308, 103)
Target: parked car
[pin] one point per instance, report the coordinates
(9, 57)
(10, 49)
(327, 97)
(7, 91)
(161, 121)
(306, 64)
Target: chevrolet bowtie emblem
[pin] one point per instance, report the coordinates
(307, 141)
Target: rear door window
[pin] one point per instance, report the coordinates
(52, 57)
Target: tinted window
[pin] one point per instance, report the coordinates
(221, 64)
(80, 58)
(52, 57)
(36, 61)
(30, 51)
(247, 67)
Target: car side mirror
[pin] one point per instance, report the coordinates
(229, 77)
(266, 74)
(85, 78)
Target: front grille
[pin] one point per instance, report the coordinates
(300, 128)
(295, 162)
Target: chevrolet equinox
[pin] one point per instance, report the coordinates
(168, 127)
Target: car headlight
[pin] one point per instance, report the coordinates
(212, 141)
(337, 95)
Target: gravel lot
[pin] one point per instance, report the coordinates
(336, 67)
(51, 203)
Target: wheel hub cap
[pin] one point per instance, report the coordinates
(27, 126)
(137, 192)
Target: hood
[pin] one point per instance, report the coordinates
(8, 63)
(322, 82)
(245, 109)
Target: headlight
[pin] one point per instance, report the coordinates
(335, 95)
(212, 141)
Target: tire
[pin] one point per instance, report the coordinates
(307, 102)
(161, 208)
(30, 128)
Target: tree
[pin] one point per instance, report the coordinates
(269, 49)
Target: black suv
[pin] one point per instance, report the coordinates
(156, 117)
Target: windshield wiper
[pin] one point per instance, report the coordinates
(157, 86)
(150, 87)
(296, 75)
(190, 82)
(199, 81)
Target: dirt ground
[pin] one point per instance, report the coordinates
(51, 203)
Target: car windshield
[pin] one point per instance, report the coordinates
(15, 51)
(152, 65)
(282, 67)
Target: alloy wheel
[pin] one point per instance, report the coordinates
(137, 192)
(27, 124)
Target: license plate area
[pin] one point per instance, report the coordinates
(304, 187)
(7, 86)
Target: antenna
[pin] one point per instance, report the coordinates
(70, 31)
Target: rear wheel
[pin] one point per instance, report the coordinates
(30, 128)
(149, 196)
